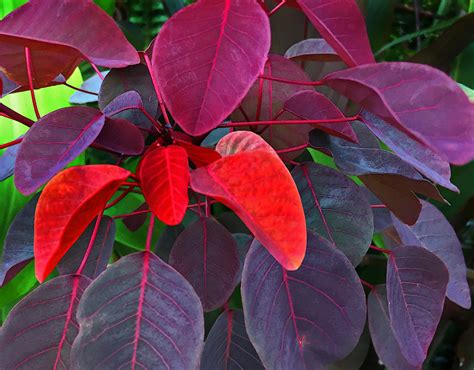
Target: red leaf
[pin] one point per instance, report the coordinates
(199, 155)
(206, 58)
(58, 40)
(342, 25)
(256, 185)
(164, 174)
(67, 205)
(416, 99)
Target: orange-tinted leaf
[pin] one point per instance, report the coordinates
(164, 173)
(199, 155)
(255, 184)
(67, 205)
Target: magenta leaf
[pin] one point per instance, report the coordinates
(228, 345)
(416, 286)
(342, 25)
(121, 136)
(335, 208)
(415, 99)
(7, 161)
(18, 245)
(205, 254)
(313, 105)
(423, 159)
(206, 58)
(54, 141)
(59, 41)
(303, 319)
(134, 78)
(40, 329)
(99, 255)
(128, 100)
(433, 232)
(312, 49)
(381, 331)
(139, 313)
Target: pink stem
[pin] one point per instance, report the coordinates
(378, 206)
(291, 82)
(29, 69)
(11, 143)
(375, 248)
(292, 149)
(149, 234)
(79, 89)
(91, 244)
(132, 214)
(157, 89)
(275, 9)
(367, 284)
(99, 73)
(291, 122)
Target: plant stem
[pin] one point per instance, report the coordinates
(29, 69)
(378, 206)
(292, 82)
(79, 89)
(291, 122)
(157, 89)
(275, 9)
(91, 244)
(292, 149)
(99, 73)
(11, 143)
(131, 214)
(150, 233)
(367, 284)
(375, 248)
(10, 113)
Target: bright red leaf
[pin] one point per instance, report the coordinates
(199, 155)
(256, 185)
(67, 205)
(164, 174)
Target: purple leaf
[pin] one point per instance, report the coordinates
(40, 329)
(206, 58)
(121, 136)
(18, 246)
(381, 331)
(166, 240)
(415, 99)
(100, 252)
(205, 254)
(93, 85)
(133, 223)
(313, 105)
(423, 159)
(134, 78)
(416, 286)
(335, 208)
(303, 319)
(342, 25)
(54, 141)
(128, 100)
(139, 313)
(312, 49)
(7, 86)
(228, 345)
(433, 232)
(7, 161)
(243, 242)
(58, 40)
(382, 216)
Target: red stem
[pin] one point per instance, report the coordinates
(131, 214)
(91, 244)
(378, 206)
(375, 248)
(291, 82)
(275, 9)
(29, 69)
(120, 197)
(10, 113)
(157, 90)
(11, 143)
(367, 284)
(79, 89)
(291, 122)
(150, 233)
(292, 149)
(94, 67)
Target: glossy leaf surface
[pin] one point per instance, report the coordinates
(205, 253)
(335, 208)
(140, 313)
(52, 142)
(67, 205)
(39, 331)
(206, 58)
(307, 318)
(164, 174)
(99, 255)
(228, 346)
(415, 99)
(433, 232)
(342, 25)
(264, 195)
(416, 286)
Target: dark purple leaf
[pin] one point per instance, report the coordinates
(416, 286)
(139, 313)
(423, 159)
(54, 141)
(206, 58)
(243, 242)
(313, 105)
(415, 99)
(205, 254)
(228, 346)
(133, 78)
(232, 223)
(303, 319)
(355, 359)
(381, 331)
(93, 85)
(433, 232)
(133, 223)
(59, 40)
(166, 240)
(99, 254)
(312, 49)
(342, 25)
(335, 208)
(121, 136)
(18, 246)
(7, 161)
(128, 100)
(39, 331)
(382, 216)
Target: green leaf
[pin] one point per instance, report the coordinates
(107, 5)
